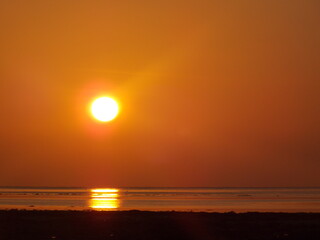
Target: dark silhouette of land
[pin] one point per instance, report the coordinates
(131, 225)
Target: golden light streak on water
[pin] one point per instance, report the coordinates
(104, 198)
(104, 195)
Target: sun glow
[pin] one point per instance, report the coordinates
(104, 199)
(104, 109)
(104, 190)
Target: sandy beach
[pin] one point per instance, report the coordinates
(21, 224)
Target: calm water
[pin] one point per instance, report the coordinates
(178, 199)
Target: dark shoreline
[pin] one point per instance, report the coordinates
(131, 225)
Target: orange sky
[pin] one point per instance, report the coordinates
(213, 93)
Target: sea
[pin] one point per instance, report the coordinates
(163, 199)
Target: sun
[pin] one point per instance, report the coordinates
(104, 109)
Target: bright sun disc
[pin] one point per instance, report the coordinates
(104, 109)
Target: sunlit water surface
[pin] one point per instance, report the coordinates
(164, 199)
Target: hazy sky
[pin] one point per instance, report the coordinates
(212, 93)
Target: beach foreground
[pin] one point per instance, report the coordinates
(20, 224)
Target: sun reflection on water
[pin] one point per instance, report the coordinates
(104, 198)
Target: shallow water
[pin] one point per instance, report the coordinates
(164, 199)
